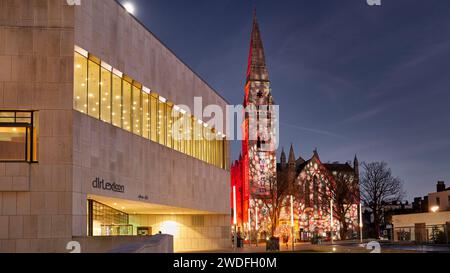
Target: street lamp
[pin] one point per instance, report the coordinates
(360, 222)
(256, 222)
(331, 220)
(235, 217)
(249, 227)
(292, 222)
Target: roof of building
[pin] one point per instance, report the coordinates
(331, 167)
(338, 167)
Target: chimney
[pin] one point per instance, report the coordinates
(441, 186)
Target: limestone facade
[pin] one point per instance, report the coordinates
(43, 204)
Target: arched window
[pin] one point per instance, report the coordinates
(323, 192)
(316, 192)
(307, 194)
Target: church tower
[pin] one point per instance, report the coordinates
(259, 144)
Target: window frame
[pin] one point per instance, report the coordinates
(29, 134)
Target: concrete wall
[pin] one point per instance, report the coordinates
(37, 39)
(409, 220)
(145, 168)
(191, 232)
(126, 244)
(444, 200)
(166, 176)
(36, 73)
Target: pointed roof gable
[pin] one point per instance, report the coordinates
(292, 155)
(257, 69)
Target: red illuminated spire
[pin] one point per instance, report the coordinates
(257, 70)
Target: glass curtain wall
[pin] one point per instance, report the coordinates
(106, 94)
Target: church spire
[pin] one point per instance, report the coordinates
(257, 69)
(283, 158)
(292, 155)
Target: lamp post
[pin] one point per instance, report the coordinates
(249, 227)
(256, 226)
(235, 245)
(331, 220)
(360, 222)
(292, 222)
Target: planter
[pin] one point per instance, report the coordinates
(273, 244)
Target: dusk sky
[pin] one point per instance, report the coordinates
(349, 78)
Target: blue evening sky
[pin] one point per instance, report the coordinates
(349, 78)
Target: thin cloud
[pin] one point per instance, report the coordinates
(363, 115)
(311, 130)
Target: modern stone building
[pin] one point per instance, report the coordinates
(87, 151)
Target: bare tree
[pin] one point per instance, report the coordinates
(344, 192)
(378, 185)
(273, 202)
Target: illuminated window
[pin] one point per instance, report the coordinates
(105, 93)
(177, 130)
(218, 153)
(198, 140)
(80, 86)
(126, 106)
(187, 142)
(18, 136)
(206, 148)
(117, 101)
(136, 109)
(107, 221)
(154, 117)
(162, 124)
(212, 145)
(146, 115)
(93, 89)
(105, 104)
(169, 120)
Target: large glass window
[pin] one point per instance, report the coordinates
(105, 93)
(116, 101)
(126, 106)
(177, 130)
(154, 117)
(105, 104)
(80, 86)
(18, 136)
(162, 121)
(187, 141)
(146, 115)
(106, 221)
(136, 109)
(93, 89)
(169, 122)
